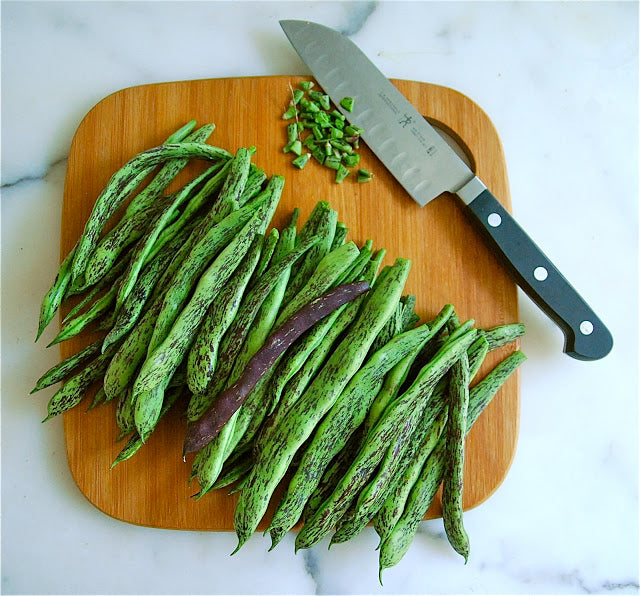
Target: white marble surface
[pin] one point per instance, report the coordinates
(559, 81)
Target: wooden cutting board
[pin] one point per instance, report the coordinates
(450, 264)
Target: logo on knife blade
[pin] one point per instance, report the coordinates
(405, 120)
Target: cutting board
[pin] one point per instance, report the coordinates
(451, 264)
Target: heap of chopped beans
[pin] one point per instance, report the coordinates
(322, 132)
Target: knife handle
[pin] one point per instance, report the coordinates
(586, 337)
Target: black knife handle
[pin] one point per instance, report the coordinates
(586, 337)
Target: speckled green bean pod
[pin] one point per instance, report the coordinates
(163, 360)
(76, 325)
(125, 232)
(255, 181)
(338, 425)
(63, 369)
(340, 235)
(298, 424)
(205, 248)
(395, 427)
(167, 173)
(135, 441)
(111, 198)
(398, 542)
(74, 389)
(322, 223)
(452, 485)
(56, 293)
(203, 353)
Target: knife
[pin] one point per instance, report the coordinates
(426, 166)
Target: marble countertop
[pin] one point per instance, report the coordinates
(560, 83)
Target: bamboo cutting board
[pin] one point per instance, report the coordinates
(451, 264)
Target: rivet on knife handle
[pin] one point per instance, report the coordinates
(586, 337)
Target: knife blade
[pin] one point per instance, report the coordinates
(426, 166)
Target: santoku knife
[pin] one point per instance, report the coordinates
(426, 166)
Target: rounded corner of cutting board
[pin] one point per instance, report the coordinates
(438, 240)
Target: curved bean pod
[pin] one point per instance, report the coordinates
(203, 353)
(79, 323)
(396, 545)
(205, 429)
(148, 195)
(205, 248)
(111, 198)
(298, 424)
(338, 425)
(452, 486)
(72, 392)
(62, 370)
(56, 293)
(395, 426)
(145, 246)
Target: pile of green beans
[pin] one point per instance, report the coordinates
(360, 414)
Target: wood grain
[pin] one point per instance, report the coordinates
(450, 264)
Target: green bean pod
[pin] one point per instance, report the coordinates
(452, 486)
(325, 275)
(56, 293)
(268, 249)
(298, 424)
(255, 181)
(99, 398)
(321, 223)
(395, 427)
(111, 198)
(398, 542)
(503, 334)
(338, 425)
(238, 175)
(135, 441)
(61, 370)
(131, 353)
(147, 409)
(235, 471)
(79, 323)
(126, 231)
(203, 353)
(205, 248)
(148, 195)
(124, 413)
(72, 392)
(167, 356)
(340, 235)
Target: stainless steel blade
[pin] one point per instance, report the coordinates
(394, 130)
